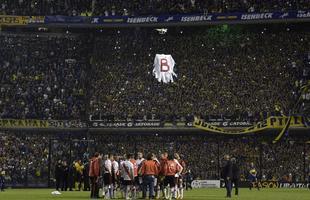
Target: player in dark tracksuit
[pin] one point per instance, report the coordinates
(2, 181)
(227, 175)
(58, 174)
(65, 176)
(236, 175)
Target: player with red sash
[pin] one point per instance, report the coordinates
(135, 174)
(180, 190)
(139, 161)
(107, 177)
(115, 174)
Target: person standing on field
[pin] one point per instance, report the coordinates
(128, 174)
(94, 174)
(149, 170)
(235, 176)
(227, 175)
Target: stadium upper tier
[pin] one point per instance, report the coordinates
(142, 7)
(247, 73)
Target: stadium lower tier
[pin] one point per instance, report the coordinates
(28, 158)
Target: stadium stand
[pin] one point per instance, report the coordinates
(139, 7)
(223, 72)
(242, 72)
(46, 79)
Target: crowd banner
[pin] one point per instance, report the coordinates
(21, 20)
(35, 123)
(180, 18)
(280, 122)
(270, 123)
(23, 123)
(13, 20)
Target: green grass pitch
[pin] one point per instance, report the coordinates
(197, 194)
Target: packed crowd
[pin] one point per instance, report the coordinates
(250, 75)
(44, 75)
(139, 7)
(24, 157)
(222, 71)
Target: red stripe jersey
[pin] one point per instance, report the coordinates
(135, 167)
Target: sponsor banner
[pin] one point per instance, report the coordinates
(126, 124)
(272, 184)
(200, 17)
(269, 123)
(303, 14)
(294, 185)
(13, 20)
(181, 18)
(231, 124)
(67, 124)
(206, 184)
(67, 19)
(198, 123)
(227, 124)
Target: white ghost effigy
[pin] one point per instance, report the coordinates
(164, 68)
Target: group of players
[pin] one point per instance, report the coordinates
(154, 177)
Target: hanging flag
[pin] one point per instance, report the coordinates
(163, 68)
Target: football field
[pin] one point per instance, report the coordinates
(197, 194)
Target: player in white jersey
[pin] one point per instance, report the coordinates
(107, 177)
(179, 185)
(115, 173)
(139, 161)
(127, 172)
(121, 179)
